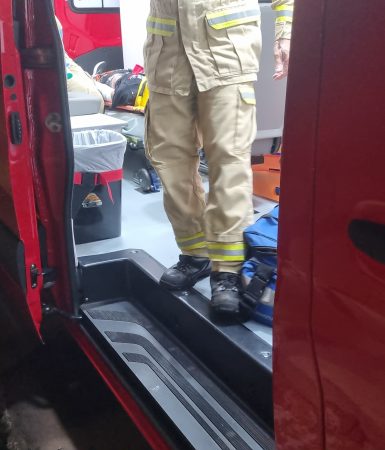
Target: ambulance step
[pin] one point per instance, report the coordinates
(241, 359)
(195, 403)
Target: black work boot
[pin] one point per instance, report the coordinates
(225, 294)
(186, 272)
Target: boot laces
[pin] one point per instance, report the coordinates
(182, 266)
(229, 282)
(185, 264)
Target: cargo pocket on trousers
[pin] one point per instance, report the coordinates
(234, 38)
(247, 93)
(246, 120)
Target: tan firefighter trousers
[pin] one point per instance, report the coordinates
(226, 119)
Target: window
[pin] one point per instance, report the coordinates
(94, 5)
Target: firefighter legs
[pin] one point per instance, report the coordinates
(227, 122)
(171, 145)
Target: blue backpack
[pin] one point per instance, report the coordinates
(259, 272)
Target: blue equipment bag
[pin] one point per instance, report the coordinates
(259, 272)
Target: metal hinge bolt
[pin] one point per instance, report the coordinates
(48, 274)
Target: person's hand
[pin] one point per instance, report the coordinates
(282, 56)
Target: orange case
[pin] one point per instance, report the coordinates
(266, 177)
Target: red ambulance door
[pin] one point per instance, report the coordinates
(37, 260)
(330, 322)
(20, 263)
(349, 227)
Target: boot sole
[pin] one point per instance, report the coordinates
(222, 310)
(173, 287)
(225, 316)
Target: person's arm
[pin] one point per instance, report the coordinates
(284, 11)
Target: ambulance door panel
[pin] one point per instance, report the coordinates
(349, 253)
(19, 242)
(298, 401)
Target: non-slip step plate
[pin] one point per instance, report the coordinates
(202, 411)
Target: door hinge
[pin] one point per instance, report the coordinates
(49, 310)
(48, 274)
(38, 58)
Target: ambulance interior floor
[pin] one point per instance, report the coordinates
(145, 226)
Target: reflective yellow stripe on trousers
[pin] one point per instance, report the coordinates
(194, 242)
(221, 251)
(227, 18)
(161, 27)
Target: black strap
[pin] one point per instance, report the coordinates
(258, 283)
(88, 180)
